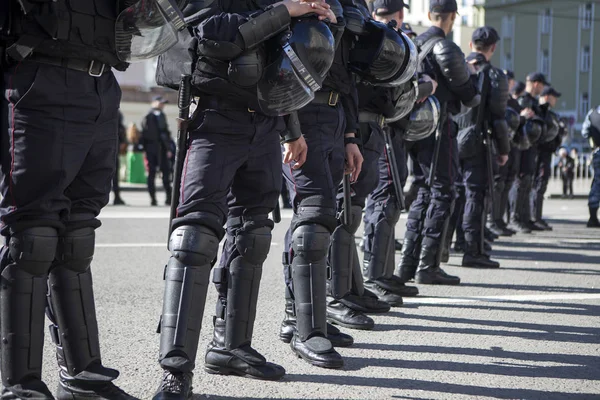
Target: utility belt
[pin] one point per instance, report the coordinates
(218, 103)
(93, 68)
(365, 117)
(330, 98)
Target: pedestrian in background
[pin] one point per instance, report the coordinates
(118, 201)
(566, 165)
(157, 142)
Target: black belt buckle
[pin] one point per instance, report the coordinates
(92, 70)
(333, 99)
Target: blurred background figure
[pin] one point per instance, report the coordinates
(566, 165)
(158, 145)
(136, 168)
(122, 150)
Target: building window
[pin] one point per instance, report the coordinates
(508, 63)
(585, 59)
(546, 21)
(586, 18)
(584, 104)
(464, 19)
(507, 26)
(545, 62)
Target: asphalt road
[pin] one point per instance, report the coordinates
(530, 330)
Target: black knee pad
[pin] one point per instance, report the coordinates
(254, 244)
(311, 242)
(315, 210)
(76, 249)
(34, 249)
(194, 245)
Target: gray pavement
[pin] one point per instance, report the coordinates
(527, 331)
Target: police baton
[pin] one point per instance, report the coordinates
(346, 213)
(396, 181)
(183, 102)
(438, 145)
(276, 213)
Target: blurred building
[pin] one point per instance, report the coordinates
(556, 38)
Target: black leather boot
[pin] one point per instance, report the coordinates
(288, 326)
(367, 303)
(384, 294)
(429, 272)
(593, 221)
(174, 386)
(410, 257)
(340, 314)
(240, 361)
(317, 351)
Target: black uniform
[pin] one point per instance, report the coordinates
(429, 213)
(473, 164)
(312, 192)
(521, 190)
(232, 174)
(122, 141)
(60, 113)
(156, 139)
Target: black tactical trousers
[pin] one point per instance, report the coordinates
(372, 150)
(521, 189)
(58, 153)
(157, 159)
(474, 174)
(540, 183)
(232, 167)
(385, 190)
(429, 212)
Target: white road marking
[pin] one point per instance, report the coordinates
(523, 297)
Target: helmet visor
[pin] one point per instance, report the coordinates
(147, 29)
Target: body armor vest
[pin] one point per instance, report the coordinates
(66, 28)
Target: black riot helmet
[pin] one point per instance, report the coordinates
(534, 128)
(520, 140)
(423, 120)
(145, 29)
(382, 56)
(552, 128)
(405, 101)
(513, 120)
(300, 60)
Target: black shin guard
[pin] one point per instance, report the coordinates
(310, 244)
(342, 254)
(380, 238)
(193, 252)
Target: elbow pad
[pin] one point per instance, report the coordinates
(501, 134)
(498, 95)
(264, 26)
(293, 131)
(452, 63)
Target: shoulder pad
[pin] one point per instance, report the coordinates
(452, 62)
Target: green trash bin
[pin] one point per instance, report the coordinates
(136, 170)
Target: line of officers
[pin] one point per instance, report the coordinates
(308, 92)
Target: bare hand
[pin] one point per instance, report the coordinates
(295, 151)
(502, 159)
(298, 8)
(527, 113)
(354, 161)
(169, 154)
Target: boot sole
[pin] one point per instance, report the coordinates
(478, 266)
(218, 370)
(365, 310)
(320, 364)
(438, 283)
(362, 327)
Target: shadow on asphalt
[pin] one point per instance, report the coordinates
(540, 307)
(540, 256)
(537, 288)
(440, 387)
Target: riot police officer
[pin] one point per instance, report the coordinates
(60, 115)
(591, 131)
(382, 210)
(428, 214)
(473, 126)
(546, 149)
(521, 190)
(232, 173)
(329, 128)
